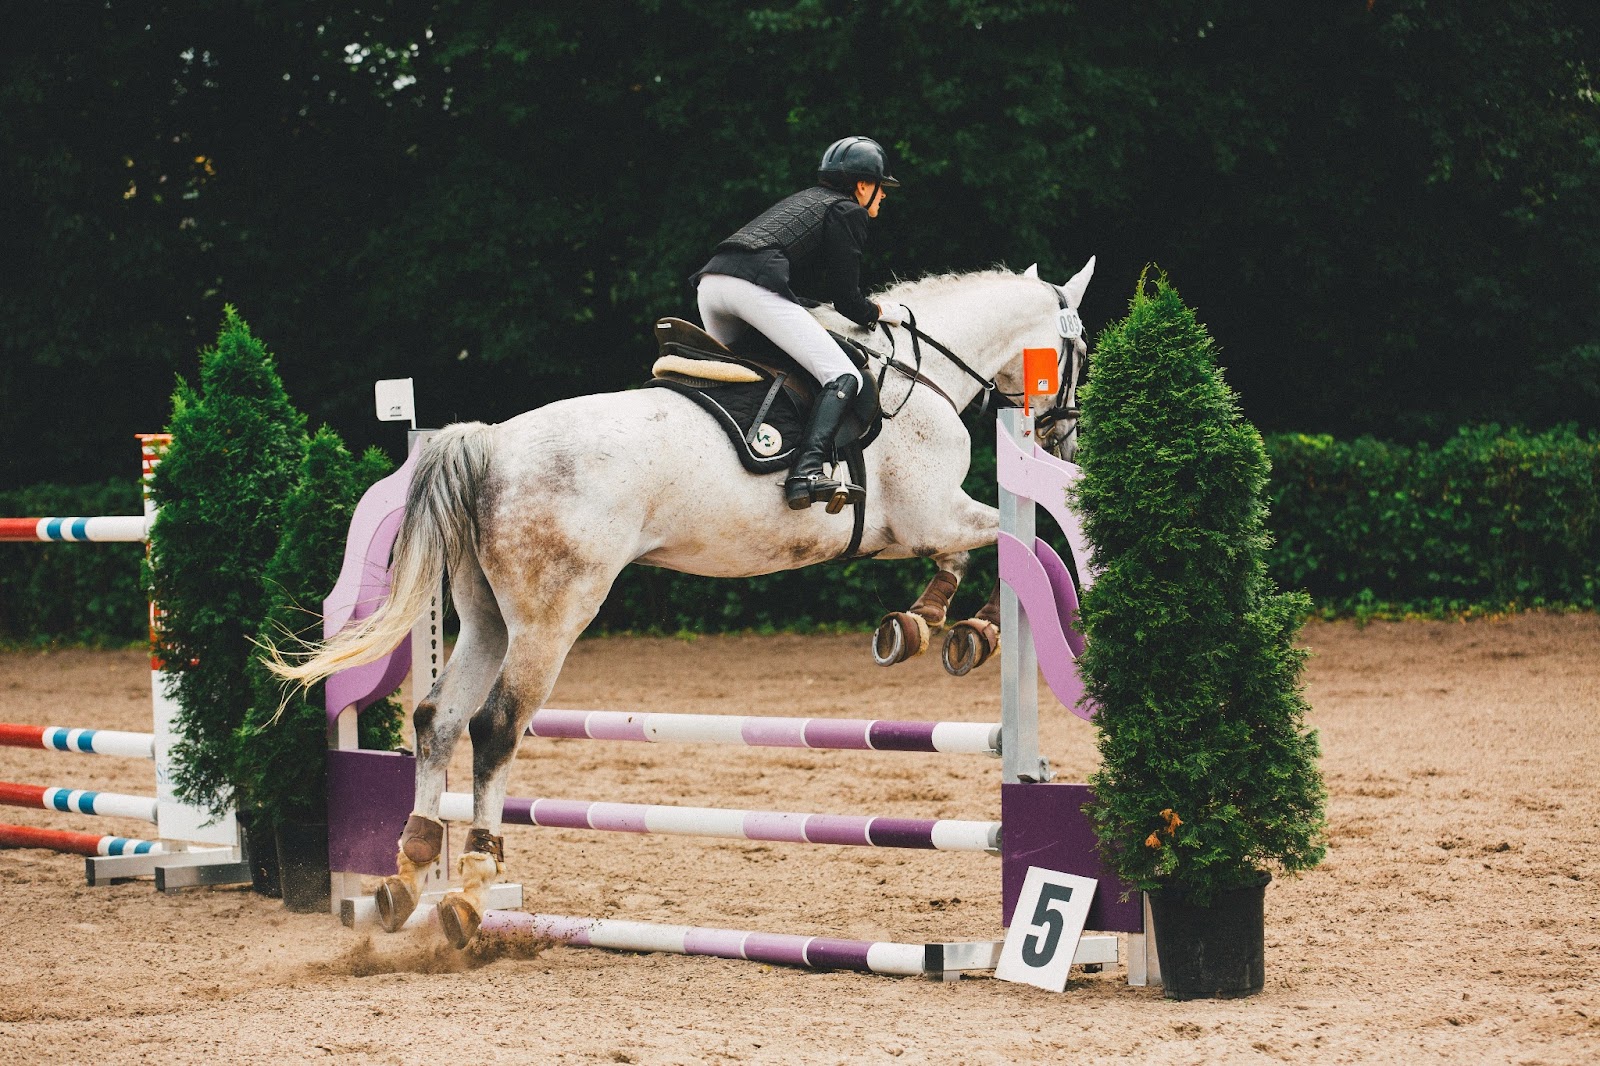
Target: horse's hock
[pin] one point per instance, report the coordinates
(1042, 823)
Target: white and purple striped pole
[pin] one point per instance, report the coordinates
(941, 834)
(856, 734)
(781, 949)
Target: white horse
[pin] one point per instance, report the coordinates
(535, 518)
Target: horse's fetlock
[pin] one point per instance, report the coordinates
(478, 869)
(481, 840)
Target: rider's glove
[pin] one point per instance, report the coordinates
(893, 314)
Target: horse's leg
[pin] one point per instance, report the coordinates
(524, 683)
(971, 642)
(438, 721)
(558, 607)
(903, 635)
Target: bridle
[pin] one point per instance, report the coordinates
(1069, 327)
(1064, 411)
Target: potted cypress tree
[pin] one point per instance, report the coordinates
(281, 750)
(1209, 779)
(236, 441)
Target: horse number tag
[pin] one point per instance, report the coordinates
(768, 442)
(1045, 929)
(1041, 376)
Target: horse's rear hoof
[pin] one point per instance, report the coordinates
(900, 636)
(395, 903)
(458, 920)
(969, 645)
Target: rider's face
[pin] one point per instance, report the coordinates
(870, 196)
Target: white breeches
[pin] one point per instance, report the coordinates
(728, 305)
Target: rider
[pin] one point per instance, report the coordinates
(808, 243)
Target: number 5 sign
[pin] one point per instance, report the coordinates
(1045, 929)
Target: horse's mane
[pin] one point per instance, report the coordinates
(931, 286)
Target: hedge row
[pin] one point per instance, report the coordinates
(78, 593)
(1491, 520)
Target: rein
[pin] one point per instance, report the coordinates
(1068, 324)
(987, 389)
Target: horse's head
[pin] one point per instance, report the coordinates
(1057, 416)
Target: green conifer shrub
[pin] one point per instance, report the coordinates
(236, 444)
(282, 759)
(1208, 775)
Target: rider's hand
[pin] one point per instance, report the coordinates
(892, 314)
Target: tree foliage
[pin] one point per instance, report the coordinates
(1208, 775)
(236, 444)
(282, 746)
(1385, 207)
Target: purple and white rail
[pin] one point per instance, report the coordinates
(854, 734)
(776, 949)
(941, 834)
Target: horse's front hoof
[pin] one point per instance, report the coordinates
(969, 645)
(458, 920)
(395, 903)
(900, 636)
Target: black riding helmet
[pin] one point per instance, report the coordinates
(854, 159)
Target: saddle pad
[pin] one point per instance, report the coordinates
(734, 405)
(703, 370)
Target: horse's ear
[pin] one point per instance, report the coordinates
(1032, 272)
(1079, 284)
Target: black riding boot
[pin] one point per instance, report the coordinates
(805, 484)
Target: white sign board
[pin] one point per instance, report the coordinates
(1045, 929)
(395, 401)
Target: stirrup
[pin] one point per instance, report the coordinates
(845, 494)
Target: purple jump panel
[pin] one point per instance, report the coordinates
(1066, 596)
(363, 586)
(1022, 571)
(1045, 826)
(369, 800)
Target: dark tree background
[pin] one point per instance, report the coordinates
(1385, 210)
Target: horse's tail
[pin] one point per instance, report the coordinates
(440, 528)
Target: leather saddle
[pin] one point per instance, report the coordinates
(759, 394)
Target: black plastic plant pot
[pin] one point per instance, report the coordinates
(1213, 952)
(303, 866)
(261, 852)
